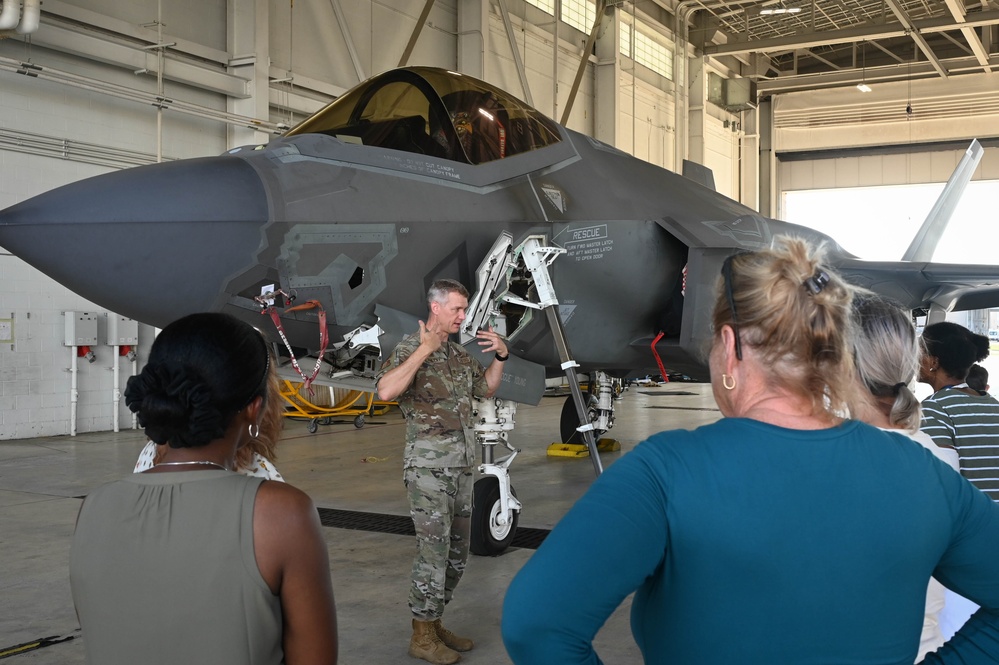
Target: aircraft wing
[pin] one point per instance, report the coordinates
(940, 286)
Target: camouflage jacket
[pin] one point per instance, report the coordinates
(438, 405)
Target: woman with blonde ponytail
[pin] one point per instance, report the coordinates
(785, 532)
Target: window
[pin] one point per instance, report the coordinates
(646, 50)
(653, 55)
(625, 38)
(580, 14)
(544, 5)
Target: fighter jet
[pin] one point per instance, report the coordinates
(332, 233)
(414, 175)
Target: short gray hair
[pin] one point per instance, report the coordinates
(441, 288)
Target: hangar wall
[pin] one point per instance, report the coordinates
(647, 127)
(922, 121)
(846, 117)
(59, 136)
(881, 169)
(52, 134)
(537, 54)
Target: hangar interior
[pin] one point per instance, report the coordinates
(770, 105)
(763, 92)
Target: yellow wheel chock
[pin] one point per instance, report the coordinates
(568, 450)
(580, 450)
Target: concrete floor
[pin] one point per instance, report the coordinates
(42, 482)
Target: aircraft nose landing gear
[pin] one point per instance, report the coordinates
(495, 505)
(495, 508)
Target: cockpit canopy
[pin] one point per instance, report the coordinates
(434, 112)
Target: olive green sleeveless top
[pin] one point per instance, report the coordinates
(163, 571)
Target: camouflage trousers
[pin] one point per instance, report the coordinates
(440, 501)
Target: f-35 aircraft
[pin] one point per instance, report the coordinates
(409, 177)
(414, 175)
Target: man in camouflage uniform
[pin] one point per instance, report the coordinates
(434, 381)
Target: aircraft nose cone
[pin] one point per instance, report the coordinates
(169, 234)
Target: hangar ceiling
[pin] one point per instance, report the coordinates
(785, 45)
(791, 45)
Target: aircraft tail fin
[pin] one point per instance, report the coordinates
(699, 173)
(925, 242)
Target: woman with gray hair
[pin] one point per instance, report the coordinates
(886, 351)
(781, 533)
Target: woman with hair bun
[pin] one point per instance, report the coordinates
(189, 562)
(954, 418)
(782, 533)
(255, 458)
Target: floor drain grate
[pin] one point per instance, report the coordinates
(528, 538)
(376, 522)
(402, 525)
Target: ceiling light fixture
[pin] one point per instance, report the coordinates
(779, 10)
(862, 86)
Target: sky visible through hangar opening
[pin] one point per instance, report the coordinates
(878, 223)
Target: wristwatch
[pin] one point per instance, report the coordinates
(502, 358)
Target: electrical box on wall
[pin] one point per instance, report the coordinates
(81, 329)
(122, 331)
(716, 89)
(7, 330)
(733, 95)
(740, 94)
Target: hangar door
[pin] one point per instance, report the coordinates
(878, 223)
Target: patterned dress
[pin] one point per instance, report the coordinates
(260, 466)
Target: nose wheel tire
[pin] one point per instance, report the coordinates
(489, 537)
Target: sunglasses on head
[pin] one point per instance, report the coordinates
(726, 271)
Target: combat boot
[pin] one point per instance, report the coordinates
(452, 640)
(427, 645)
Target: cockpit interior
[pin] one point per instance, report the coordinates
(434, 112)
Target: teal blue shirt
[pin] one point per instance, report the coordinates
(749, 543)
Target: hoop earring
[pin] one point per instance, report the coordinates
(253, 430)
(725, 378)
